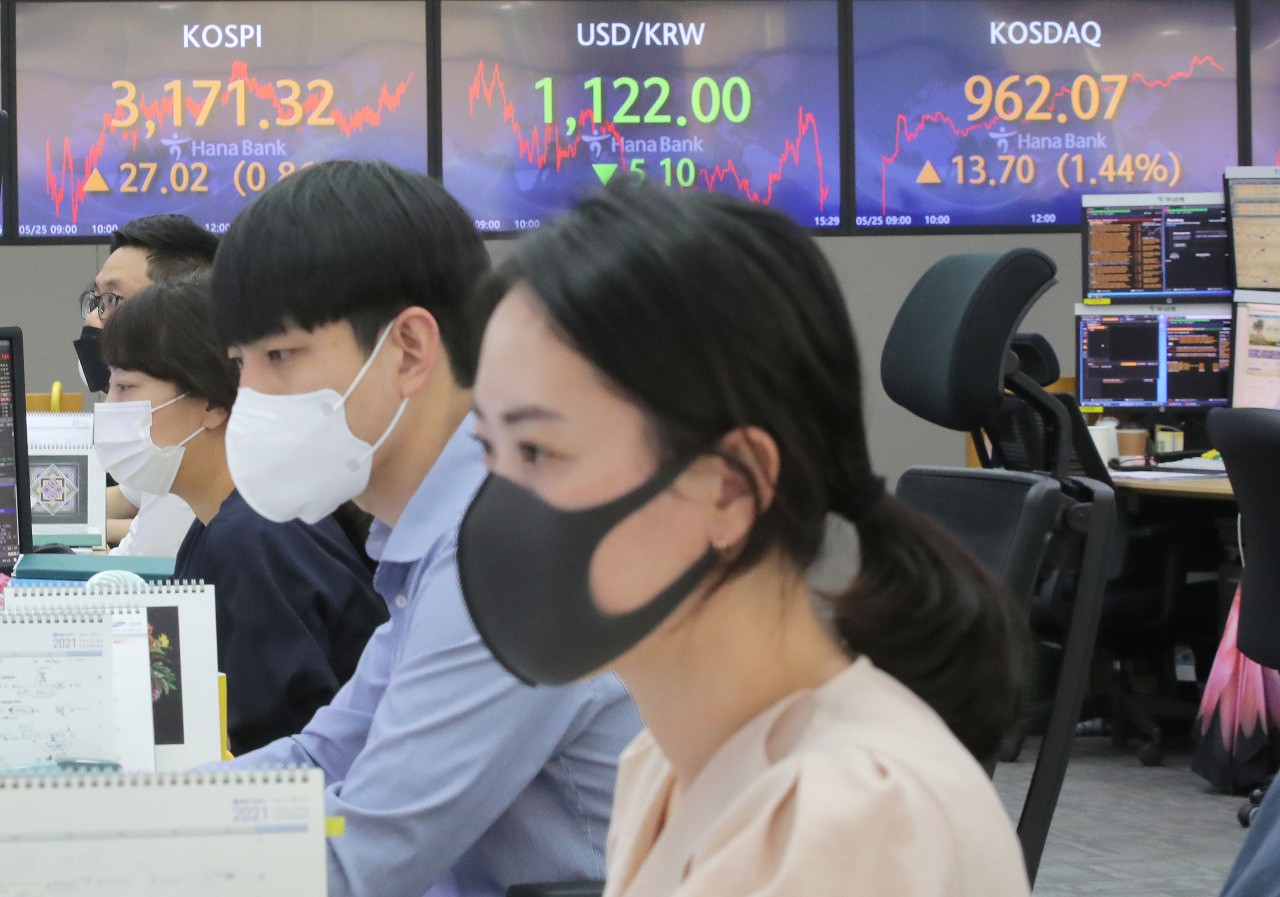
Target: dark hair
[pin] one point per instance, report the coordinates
(164, 331)
(712, 314)
(353, 241)
(174, 244)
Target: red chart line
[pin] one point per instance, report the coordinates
(905, 132)
(535, 149)
(158, 111)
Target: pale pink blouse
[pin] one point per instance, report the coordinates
(856, 789)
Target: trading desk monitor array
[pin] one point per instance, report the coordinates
(1253, 198)
(15, 507)
(544, 102)
(1156, 248)
(1158, 357)
(131, 109)
(1256, 378)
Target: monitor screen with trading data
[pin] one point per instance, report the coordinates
(138, 108)
(1149, 248)
(1253, 199)
(545, 102)
(1153, 357)
(1255, 381)
(1002, 113)
(15, 518)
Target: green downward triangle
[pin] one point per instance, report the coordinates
(604, 171)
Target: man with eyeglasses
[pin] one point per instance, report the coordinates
(145, 251)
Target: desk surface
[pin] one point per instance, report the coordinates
(1218, 488)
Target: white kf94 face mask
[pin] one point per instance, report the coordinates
(294, 456)
(122, 438)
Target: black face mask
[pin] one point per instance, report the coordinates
(97, 376)
(525, 568)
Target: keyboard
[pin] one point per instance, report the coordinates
(1197, 465)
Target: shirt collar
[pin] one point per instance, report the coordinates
(438, 505)
(767, 739)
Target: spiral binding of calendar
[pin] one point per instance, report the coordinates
(161, 587)
(85, 614)
(273, 774)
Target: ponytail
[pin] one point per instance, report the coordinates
(925, 611)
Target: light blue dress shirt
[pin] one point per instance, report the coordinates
(453, 776)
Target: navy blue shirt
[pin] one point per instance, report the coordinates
(295, 606)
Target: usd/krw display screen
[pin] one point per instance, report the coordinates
(131, 109)
(545, 101)
(1002, 114)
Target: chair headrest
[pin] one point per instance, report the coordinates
(1036, 358)
(1245, 435)
(945, 356)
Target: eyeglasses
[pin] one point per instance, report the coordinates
(102, 303)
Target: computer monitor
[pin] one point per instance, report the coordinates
(196, 107)
(1255, 380)
(1168, 357)
(15, 504)
(1143, 248)
(1253, 199)
(543, 103)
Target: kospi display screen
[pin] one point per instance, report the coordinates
(982, 113)
(544, 101)
(138, 108)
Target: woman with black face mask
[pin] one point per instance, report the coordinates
(670, 403)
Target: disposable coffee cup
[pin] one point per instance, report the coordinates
(1131, 444)
(1104, 437)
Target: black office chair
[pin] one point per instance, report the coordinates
(1144, 570)
(1005, 518)
(948, 359)
(1249, 441)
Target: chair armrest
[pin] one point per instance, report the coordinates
(558, 889)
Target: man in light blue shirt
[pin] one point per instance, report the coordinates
(345, 293)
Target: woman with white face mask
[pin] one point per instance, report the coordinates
(295, 602)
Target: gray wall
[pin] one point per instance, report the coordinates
(38, 287)
(38, 290)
